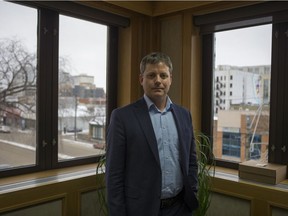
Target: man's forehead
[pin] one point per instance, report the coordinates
(162, 65)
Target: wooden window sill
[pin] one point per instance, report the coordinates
(16, 183)
(232, 175)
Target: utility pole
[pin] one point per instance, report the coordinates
(75, 119)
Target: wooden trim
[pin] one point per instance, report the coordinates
(279, 102)
(112, 72)
(186, 60)
(81, 11)
(247, 12)
(207, 84)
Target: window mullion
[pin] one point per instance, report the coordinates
(54, 89)
(46, 67)
(279, 104)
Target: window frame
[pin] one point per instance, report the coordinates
(262, 13)
(47, 81)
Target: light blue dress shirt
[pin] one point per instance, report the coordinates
(168, 147)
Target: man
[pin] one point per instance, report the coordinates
(151, 167)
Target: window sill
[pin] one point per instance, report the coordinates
(21, 182)
(16, 183)
(233, 176)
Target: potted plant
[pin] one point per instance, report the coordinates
(100, 179)
(206, 170)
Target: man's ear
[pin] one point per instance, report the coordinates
(141, 78)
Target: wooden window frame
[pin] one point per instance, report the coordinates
(274, 13)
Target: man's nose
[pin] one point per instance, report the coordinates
(157, 79)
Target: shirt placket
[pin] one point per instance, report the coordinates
(165, 143)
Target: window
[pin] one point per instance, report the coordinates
(247, 92)
(18, 95)
(255, 112)
(82, 87)
(53, 93)
(231, 145)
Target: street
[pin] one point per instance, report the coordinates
(18, 148)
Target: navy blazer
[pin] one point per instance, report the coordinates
(133, 171)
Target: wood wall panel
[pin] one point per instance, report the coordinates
(263, 197)
(171, 44)
(233, 205)
(45, 209)
(65, 197)
(278, 211)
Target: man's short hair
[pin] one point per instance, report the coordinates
(155, 58)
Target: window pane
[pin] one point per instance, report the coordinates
(82, 87)
(18, 48)
(242, 93)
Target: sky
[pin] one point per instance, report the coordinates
(83, 43)
(244, 47)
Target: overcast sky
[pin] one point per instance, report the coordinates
(83, 43)
(244, 47)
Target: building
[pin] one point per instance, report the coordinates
(241, 85)
(241, 135)
(241, 112)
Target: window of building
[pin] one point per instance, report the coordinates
(53, 91)
(259, 90)
(231, 145)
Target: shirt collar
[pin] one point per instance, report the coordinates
(150, 103)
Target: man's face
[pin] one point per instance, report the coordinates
(156, 81)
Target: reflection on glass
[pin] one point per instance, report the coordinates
(82, 86)
(242, 93)
(18, 73)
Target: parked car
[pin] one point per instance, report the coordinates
(4, 129)
(72, 129)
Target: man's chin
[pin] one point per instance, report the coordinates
(157, 95)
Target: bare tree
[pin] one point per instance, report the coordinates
(66, 81)
(18, 76)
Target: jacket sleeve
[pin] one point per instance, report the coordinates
(115, 165)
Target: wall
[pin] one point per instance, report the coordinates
(74, 192)
(237, 197)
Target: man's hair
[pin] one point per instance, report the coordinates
(155, 58)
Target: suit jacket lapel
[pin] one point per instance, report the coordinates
(143, 117)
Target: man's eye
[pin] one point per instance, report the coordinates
(151, 76)
(164, 76)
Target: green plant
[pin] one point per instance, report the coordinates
(100, 179)
(206, 169)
